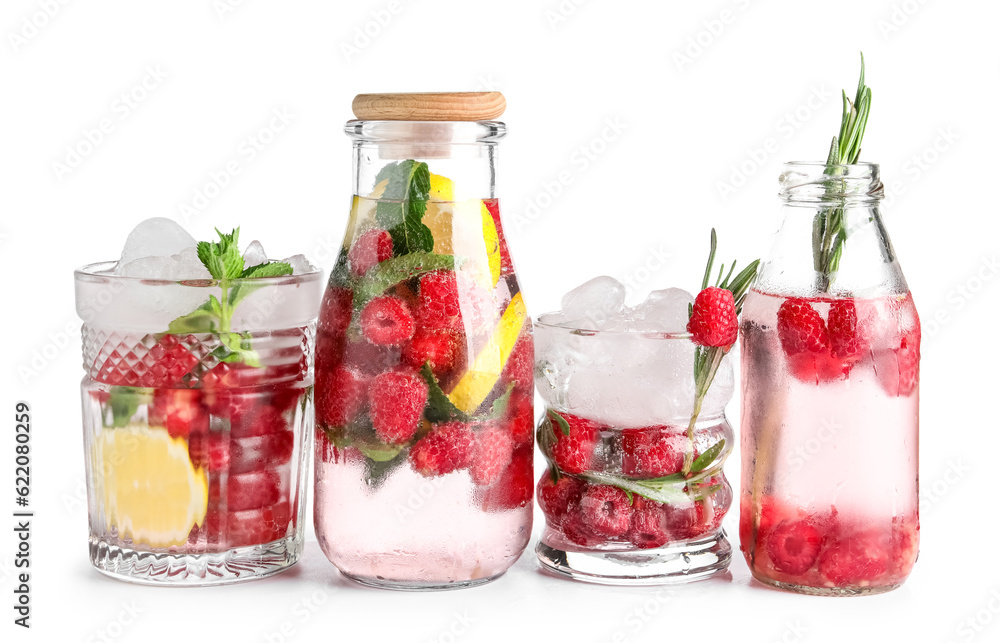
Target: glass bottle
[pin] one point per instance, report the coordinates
(424, 365)
(830, 358)
(194, 453)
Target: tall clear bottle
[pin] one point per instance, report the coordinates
(830, 358)
(424, 357)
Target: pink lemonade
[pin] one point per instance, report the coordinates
(829, 496)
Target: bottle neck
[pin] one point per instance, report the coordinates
(462, 152)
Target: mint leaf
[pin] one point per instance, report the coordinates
(397, 269)
(200, 321)
(401, 207)
(273, 269)
(439, 407)
(236, 348)
(386, 172)
(499, 407)
(211, 259)
(125, 402)
(561, 421)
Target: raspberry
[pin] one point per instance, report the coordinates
(577, 531)
(386, 321)
(370, 249)
(794, 546)
(209, 450)
(806, 341)
(253, 490)
(713, 318)
(516, 485)
(686, 522)
(521, 417)
(443, 348)
(447, 301)
(445, 449)
(520, 367)
(653, 451)
(574, 453)
(180, 411)
(258, 526)
(397, 402)
(606, 510)
(261, 420)
(340, 395)
(335, 312)
(371, 359)
(260, 452)
(855, 559)
(556, 498)
(899, 369)
(846, 340)
(492, 452)
(648, 529)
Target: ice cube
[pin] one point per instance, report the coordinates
(597, 303)
(156, 237)
(664, 311)
(254, 255)
(183, 265)
(300, 264)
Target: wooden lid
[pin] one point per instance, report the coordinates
(430, 106)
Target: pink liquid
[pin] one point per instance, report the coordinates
(829, 498)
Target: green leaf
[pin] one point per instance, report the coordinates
(272, 269)
(708, 456)
(560, 421)
(199, 321)
(211, 259)
(236, 349)
(439, 407)
(125, 402)
(378, 471)
(401, 208)
(398, 269)
(378, 452)
(499, 407)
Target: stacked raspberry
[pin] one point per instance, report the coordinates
(826, 548)
(389, 368)
(238, 426)
(594, 515)
(855, 333)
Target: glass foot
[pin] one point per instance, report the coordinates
(418, 586)
(826, 591)
(679, 563)
(233, 566)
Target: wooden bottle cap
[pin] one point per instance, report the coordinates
(430, 106)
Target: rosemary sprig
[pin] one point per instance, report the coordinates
(708, 358)
(830, 226)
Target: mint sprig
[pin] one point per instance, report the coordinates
(707, 359)
(225, 263)
(830, 225)
(402, 205)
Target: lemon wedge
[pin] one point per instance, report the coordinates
(485, 370)
(152, 492)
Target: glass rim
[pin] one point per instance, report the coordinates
(589, 332)
(103, 270)
(426, 132)
(822, 164)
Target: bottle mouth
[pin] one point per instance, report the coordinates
(804, 182)
(425, 133)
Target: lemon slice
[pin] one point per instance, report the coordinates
(151, 491)
(485, 370)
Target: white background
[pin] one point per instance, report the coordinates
(640, 210)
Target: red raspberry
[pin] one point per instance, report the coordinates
(371, 359)
(179, 410)
(846, 340)
(794, 546)
(574, 453)
(713, 318)
(340, 395)
(397, 402)
(686, 522)
(258, 526)
(491, 454)
(447, 301)
(648, 529)
(855, 558)
(386, 321)
(653, 452)
(806, 341)
(521, 417)
(556, 498)
(445, 449)
(259, 420)
(577, 531)
(520, 367)
(253, 490)
(516, 485)
(606, 510)
(370, 249)
(899, 369)
(260, 452)
(443, 348)
(336, 310)
(210, 451)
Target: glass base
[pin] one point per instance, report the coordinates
(678, 563)
(418, 586)
(221, 568)
(826, 591)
